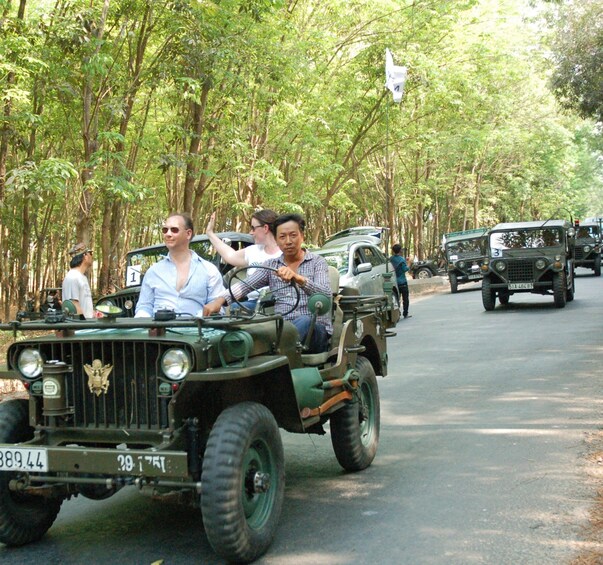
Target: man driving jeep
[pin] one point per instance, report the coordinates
(309, 271)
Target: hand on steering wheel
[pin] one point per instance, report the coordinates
(282, 294)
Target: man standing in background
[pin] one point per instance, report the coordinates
(75, 284)
(401, 268)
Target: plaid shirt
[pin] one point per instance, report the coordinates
(316, 272)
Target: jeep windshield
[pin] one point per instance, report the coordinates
(538, 238)
(466, 249)
(338, 259)
(585, 232)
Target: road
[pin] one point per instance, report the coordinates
(481, 460)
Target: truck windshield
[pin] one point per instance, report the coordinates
(466, 248)
(526, 239)
(588, 231)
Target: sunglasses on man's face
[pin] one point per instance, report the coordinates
(173, 230)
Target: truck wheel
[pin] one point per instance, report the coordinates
(423, 273)
(23, 517)
(488, 295)
(355, 426)
(243, 482)
(559, 290)
(503, 298)
(454, 283)
(597, 266)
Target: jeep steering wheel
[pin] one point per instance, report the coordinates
(280, 294)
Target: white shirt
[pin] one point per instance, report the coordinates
(77, 287)
(255, 255)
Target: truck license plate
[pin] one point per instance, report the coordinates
(23, 459)
(521, 286)
(477, 276)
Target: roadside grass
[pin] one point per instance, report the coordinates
(592, 536)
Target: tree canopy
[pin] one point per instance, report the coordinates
(116, 112)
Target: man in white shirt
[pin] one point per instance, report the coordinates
(75, 284)
(182, 282)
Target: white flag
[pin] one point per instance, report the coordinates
(395, 77)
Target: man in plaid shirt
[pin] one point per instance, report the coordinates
(309, 271)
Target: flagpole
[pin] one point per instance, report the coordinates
(387, 179)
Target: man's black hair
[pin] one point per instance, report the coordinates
(76, 260)
(284, 218)
(396, 248)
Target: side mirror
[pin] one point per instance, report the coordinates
(364, 268)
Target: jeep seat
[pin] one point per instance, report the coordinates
(315, 359)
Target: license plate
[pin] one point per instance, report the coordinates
(23, 459)
(521, 286)
(474, 276)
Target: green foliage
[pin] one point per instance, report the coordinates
(267, 103)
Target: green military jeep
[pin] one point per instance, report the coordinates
(536, 257)
(185, 407)
(465, 253)
(588, 246)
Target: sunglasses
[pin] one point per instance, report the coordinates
(253, 228)
(173, 230)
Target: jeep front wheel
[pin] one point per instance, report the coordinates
(597, 266)
(454, 283)
(242, 482)
(559, 290)
(355, 426)
(423, 273)
(23, 517)
(488, 295)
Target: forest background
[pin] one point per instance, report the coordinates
(116, 112)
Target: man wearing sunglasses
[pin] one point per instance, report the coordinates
(182, 282)
(75, 284)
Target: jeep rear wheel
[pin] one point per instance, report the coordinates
(423, 273)
(597, 267)
(243, 482)
(454, 283)
(355, 426)
(488, 295)
(559, 290)
(23, 517)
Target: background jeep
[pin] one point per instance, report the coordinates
(465, 252)
(588, 247)
(139, 260)
(536, 257)
(188, 408)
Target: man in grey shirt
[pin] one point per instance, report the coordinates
(75, 284)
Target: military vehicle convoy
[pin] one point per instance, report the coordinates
(465, 253)
(186, 407)
(535, 257)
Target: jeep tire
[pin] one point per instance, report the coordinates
(242, 482)
(597, 267)
(24, 518)
(503, 297)
(559, 290)
(355, 426)
(423, 273)
(454, 283)
(488, 295)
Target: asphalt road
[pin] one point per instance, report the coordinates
(481, 460)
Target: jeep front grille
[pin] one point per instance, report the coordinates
(579, 253)
(521, 271)
(131, 400)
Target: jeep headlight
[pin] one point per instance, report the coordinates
(587, 249)
(30, 363)
(461, 264)
(175, 364)
(500, 266)
(540, 264)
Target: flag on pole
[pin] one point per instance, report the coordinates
(395, 77)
